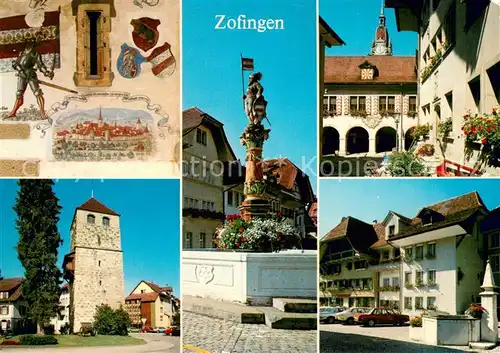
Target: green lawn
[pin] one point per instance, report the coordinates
(79, 341)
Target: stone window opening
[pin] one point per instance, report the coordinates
(105, 221)
(412, 105)
(93, 28)
(201, 137)
(494, 78)
(387, 103)
(90, 219)
(202, 240)
(100, 283)
(99, 263)
(98, 239)
(475, 92)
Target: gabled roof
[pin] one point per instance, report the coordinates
(154, 287)
(380, 231)
(453, 211)
(331, 38)
(93, 205)
(13, 286)
(390, 69)
(194, 117)
(400, 216)
(360, 235)
(287, 174)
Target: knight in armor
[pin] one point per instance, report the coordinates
(254, 98)
(26, 65)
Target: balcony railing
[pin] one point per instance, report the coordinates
(389, 289)
(200, 213)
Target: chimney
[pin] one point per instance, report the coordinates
(375, 221)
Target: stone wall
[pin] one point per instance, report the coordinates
(98, 280)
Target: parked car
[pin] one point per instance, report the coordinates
(327, 314)
(147, 329)
(159, 329)
(347, 316)
(381, 316)
(173, 331)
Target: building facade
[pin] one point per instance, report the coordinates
(62, 316)
(433, 261)
(369, 102)
(151, 305)
(13, 308)
(289, 193)
(346, 276)
(115, 54)
(205, 149)
(94, 268)
(459, 67)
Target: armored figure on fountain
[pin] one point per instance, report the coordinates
(253, 138)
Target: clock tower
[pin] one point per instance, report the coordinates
(382, 44)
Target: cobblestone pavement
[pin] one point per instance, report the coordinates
(387, 339)
(203, 334)
(155, 343)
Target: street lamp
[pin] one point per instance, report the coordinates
(396, 120)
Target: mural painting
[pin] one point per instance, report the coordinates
(103, 134)
(80, 81)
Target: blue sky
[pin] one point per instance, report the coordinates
(355, 22)
(370, 199)
(149, 220)
(287, 59)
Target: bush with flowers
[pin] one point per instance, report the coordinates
(475, 311)
(264, 234)
(484, 129)
(420, 131)
(426, 150)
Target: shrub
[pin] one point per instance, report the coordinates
(10, 343)
(416, 321)
(34, 340)
(111, 322)
(64, 329)
(176, 319)
(405, 164)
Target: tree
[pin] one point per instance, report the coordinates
(111, 322)
(38, 210)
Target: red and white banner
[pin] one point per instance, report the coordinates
(162, 60)
(14, 31)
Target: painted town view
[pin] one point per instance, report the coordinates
(103, 134)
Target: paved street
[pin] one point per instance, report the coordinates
(203, 334)
(155, 343)
(387, 339)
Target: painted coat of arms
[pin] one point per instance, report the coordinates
(162, 61)
(145, 33)
(129, 62)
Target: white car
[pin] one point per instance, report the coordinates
(347, 316)
(327, 314)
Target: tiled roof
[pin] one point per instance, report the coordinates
(361, 235)
(391, 69)
(157, 288)
(403, 218)
(144, 297)
(191, 118)
(13, 286)
(285, 171)
(95, 206)
(380, 231)
(454, 211)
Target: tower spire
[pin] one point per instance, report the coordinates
(382, 8)
(92, 194)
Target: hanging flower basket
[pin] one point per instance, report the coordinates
(483, 129)
(476, 311)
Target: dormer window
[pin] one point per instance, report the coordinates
(368, 71)
(105, 221)
(427, 219)
(90, 219)
(392, 230)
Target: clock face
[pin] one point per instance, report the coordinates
(380, 50)
(367, 74)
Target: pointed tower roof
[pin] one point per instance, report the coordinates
(381, 44)
(100, 114)
(95, 206)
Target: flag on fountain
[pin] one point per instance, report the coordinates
(247, 64)
(14, 31)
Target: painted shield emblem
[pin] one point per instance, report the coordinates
(129, 62)
(162, 61)
(145, 33)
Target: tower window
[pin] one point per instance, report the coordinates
(91, 219)
(105, 221)
(99, 263)
(100, 283)
(93, 21)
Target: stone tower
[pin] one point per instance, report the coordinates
(94, 267)
(382, 44)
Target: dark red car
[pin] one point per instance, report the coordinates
(147, 329)
(381, 316)
(173, 331)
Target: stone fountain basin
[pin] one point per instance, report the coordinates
(249, 277)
